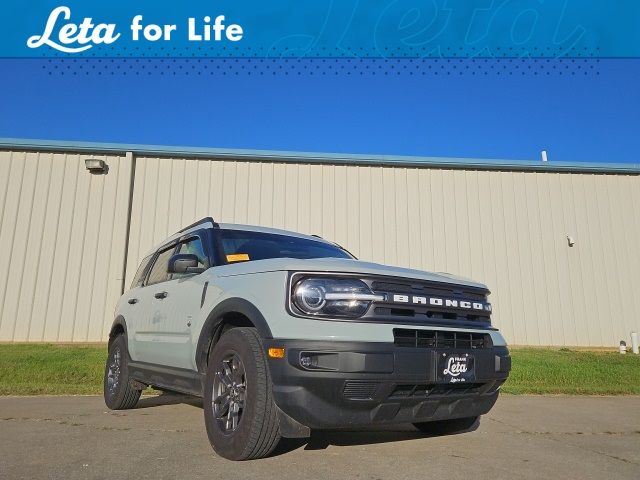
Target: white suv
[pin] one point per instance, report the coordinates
(282, 333)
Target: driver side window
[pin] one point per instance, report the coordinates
(193, 246)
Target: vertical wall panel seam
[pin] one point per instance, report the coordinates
(403, 193)
(184, 186)
(55, 245)
(592, 243)
(209, 165)
(259, 216)
(82, 250)
(506, 258)
(103, 308)
(273, 190)
(630, 250)
(67, 249)
(143, 168)
(9, 251)
(95, 256)
(544, 260)
(477, 235)
(420, 226)
(492, 240)
(171, 164)
(2, 227)
(432, 226)
(530, 234)
(607, 232)
(570, 285)
(557, 261)
(581, 260)
(26, 247)
(6, 190)
(132, 175)
(519, 261)
(155, 203)
(44, 222)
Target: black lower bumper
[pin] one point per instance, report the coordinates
(344, 384)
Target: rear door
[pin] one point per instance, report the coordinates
(135, 305)
(149, 340)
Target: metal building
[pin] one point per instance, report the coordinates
(557, 243)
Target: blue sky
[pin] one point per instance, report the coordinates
(574, 116)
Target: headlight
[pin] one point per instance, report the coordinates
(333, 297)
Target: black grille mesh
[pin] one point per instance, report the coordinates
(414, 338)
(416, 391)
(355, 390)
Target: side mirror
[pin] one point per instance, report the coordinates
(184, 263)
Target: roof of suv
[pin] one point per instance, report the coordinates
(237, 226)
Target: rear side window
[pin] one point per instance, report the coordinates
(142, 269)
(159, 272)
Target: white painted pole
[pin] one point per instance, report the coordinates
(634, 343)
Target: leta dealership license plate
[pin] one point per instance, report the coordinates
(456, 368)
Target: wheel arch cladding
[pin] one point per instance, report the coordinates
(221, 313)
(119, 326)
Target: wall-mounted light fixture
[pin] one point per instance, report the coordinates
(96, 166)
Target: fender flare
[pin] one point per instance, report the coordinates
(118, 322)
(214, 319)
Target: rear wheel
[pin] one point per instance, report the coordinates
(118, 392)
(445, 427)
(239, 412)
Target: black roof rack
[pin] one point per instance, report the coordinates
(200, 222)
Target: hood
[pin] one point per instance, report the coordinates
(339, 265)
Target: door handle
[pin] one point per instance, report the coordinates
(133, 301)
(161, 295)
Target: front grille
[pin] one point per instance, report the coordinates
(407, 337)
(423, 288)
(355, 390)
(429, 313)
(425, 390)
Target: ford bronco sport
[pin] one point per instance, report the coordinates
(281, 333)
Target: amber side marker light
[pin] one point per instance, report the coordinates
(276, 352)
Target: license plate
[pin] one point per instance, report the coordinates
(456, 368)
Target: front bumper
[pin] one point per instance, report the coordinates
(365, 383)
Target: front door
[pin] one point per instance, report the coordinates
(176, 304)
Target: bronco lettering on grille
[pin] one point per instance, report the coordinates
(442, 302)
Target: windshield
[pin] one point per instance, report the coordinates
(242, 246)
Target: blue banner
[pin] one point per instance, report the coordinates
(321, 29)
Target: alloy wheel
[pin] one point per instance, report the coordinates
(229, 392)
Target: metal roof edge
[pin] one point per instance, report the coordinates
(315, 157)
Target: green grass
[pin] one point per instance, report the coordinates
(554, 371)
(39, 369)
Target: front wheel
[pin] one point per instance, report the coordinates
(239, 411)
(118, 392)
(446, 427)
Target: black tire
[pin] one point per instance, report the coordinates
(256, 433)
(447, 427)
(118, 392)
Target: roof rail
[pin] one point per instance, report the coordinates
(200, 222)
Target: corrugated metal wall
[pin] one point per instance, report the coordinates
(507, 229)
(63, 235)
(62, 244)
